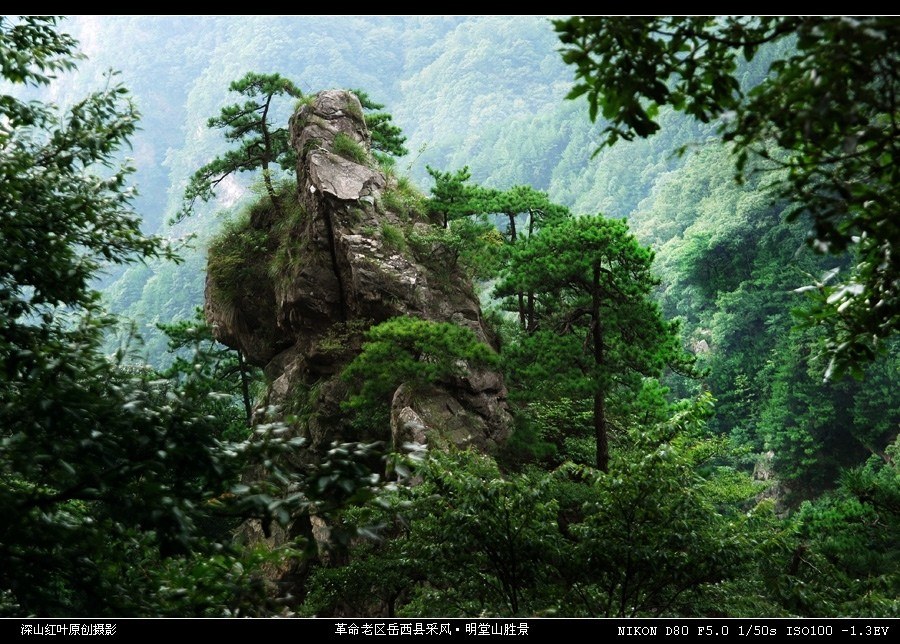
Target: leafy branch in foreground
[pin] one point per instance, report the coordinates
(108, 472)
(829, 104)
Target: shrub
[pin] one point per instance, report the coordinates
(349, 149)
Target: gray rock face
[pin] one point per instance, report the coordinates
(340, 178)
(438, 417)
(333, 266)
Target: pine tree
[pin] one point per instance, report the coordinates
(597, 327)
(249, 124)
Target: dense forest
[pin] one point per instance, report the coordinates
(468, 316)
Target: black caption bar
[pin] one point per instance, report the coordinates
(365, 629)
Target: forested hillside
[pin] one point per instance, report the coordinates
(455, 338)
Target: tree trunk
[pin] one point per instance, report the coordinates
(267, 179)
(600, 432)
(531, 323)
(245, 388)
(268, 155)
(519, 296)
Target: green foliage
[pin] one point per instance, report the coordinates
(412, 351)
(32, 50)
(679, 543)
(55, 198)
(452, 196)
(377, 575)
(815, 429)
(303, 100)
(387, 138)
(219, 584)
(109, 473)
(636, 57)
(594, 326)
(828, 104)
(402, 198)
(468, 542)
(285, 236)
(465, 210)
(344, 337)
(238, 257)
(521, 200)
(649, 538)
(215, 369)
(846, 560)
(526, 445)
(729, 263)
(101, 466)
(471, 245)
(248, 125)
(350, 149)
(496, 535)
(555, 427)
(393, 237)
